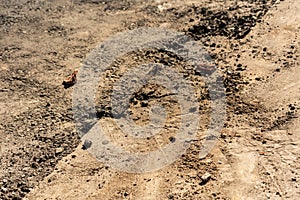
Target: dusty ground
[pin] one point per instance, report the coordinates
(255, 45)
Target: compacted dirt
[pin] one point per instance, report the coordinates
(255, 46)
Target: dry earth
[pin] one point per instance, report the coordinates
(255, 45)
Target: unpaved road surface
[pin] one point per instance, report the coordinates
(255, 46)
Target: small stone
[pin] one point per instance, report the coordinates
(3, 189)
(266, 173)
(87, 144)
(105, 142)
(172, 139)
(292, 107)
(278, 194)
(59, 150)
(205, 178)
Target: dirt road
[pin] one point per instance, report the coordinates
(255, 45)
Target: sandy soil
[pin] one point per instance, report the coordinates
(255, 45)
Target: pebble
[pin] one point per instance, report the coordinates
(4, 189)
(87, 144)
(205, 178)
(59, 150)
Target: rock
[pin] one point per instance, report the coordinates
(87, 144)
(59, 150)
(172, 139)
(258, 78)
(292, 107)
(3, 189)
(205, 178)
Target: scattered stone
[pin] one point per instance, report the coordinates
(205, 178)
(70, 80)
(229, 22)
(87, 144)
(3, 189)
(172, 139)
(105, 142)
(258, 78)
(292, 107)
(59, 150)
